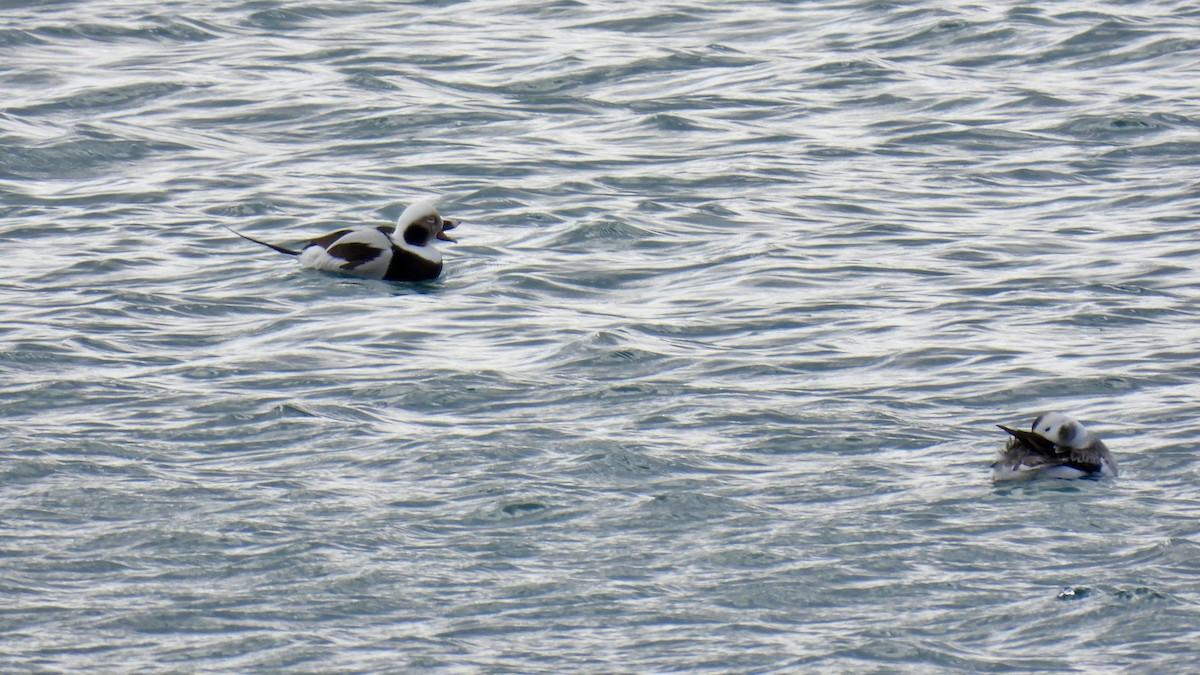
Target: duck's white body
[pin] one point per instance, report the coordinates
(373, 261)
(1056, 446)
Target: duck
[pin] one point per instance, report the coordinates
(401, 252)
(1056, 446)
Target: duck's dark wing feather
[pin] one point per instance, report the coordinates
(1087, 459)
(1033, 442)
(355, 253)
(327, 240)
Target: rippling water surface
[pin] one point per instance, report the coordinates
(709, 383)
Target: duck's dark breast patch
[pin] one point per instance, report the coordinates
(354, 253)
(408, 266)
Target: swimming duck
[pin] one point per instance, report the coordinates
(1056, 446)
(400, 252)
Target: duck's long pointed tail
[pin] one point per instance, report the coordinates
(281, 249)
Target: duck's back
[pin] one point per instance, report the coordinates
(364, 253)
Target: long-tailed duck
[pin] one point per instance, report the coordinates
(1055, 447)
(400, 252)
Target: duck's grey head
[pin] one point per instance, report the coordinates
(420, 223)
(1062, 430)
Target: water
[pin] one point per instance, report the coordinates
(709, 383)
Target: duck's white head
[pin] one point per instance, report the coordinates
(1062, 430)
(420, 223)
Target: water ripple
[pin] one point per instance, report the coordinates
(709, 383)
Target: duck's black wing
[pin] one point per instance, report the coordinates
(1035, 444)
(355, 253)
(327, 240)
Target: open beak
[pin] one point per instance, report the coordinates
(447, 224)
